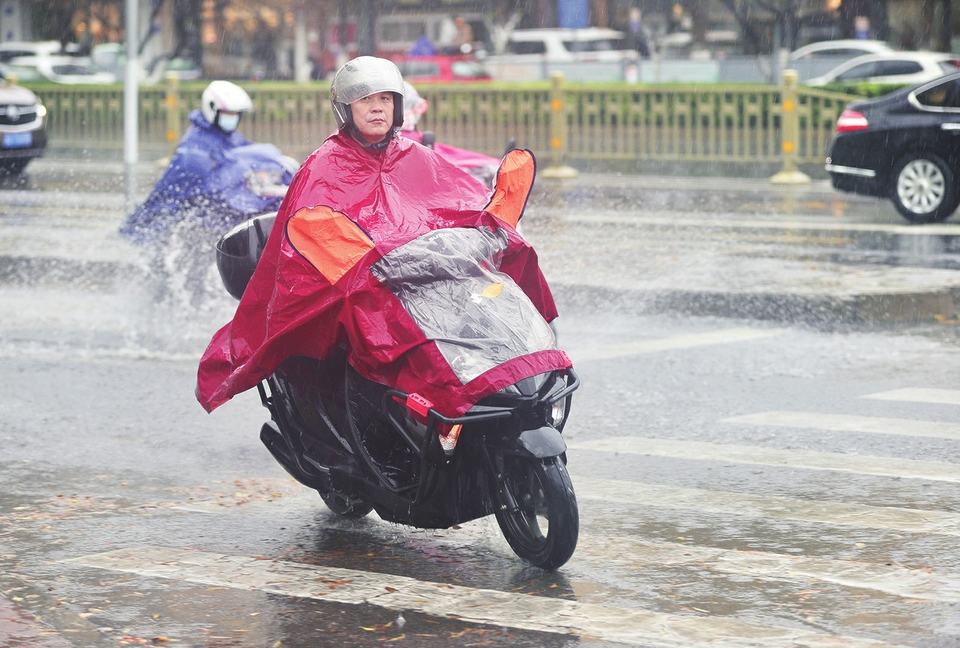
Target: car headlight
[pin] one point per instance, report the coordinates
(41, 110)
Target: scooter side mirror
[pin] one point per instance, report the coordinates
(429, 139)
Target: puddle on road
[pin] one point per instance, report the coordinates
(86, 176)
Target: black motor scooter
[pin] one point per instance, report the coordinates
(365, 446)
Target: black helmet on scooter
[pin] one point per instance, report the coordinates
(362, 77)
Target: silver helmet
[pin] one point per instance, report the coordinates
(362, 77)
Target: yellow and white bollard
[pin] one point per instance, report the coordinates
(171, 104)
(789, 132)
(558, 133)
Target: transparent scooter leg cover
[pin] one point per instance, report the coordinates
(479, 318)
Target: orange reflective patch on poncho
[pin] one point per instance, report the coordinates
(330, 241)
(514, 182)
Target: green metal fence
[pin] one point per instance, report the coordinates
(619, 122)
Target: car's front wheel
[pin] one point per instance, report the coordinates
(13, 166)
(924, 190)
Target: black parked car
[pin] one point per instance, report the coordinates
(904, 146)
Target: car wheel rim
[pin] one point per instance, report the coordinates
(921, 186)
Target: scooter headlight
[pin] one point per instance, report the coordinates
(556, 412)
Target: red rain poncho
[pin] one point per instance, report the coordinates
(325, 276)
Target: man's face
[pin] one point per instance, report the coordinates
(373, 116)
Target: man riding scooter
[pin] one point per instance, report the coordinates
(363, 193)
(390, 296)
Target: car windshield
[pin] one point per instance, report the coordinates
(950, 66)
(73, 69)
(588, 45)
(419, 69)
(468, 69)
(836, 52)
(944, 95)
(20, 73)
(527, 47)
(893, 68)
(861, 71)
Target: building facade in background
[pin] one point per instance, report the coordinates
(303, 39)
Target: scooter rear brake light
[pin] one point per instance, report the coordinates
(851, 120)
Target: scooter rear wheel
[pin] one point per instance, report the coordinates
(542, 521)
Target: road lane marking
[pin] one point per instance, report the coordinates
(601, 549)
(766, 506)
(759, 456)
(618, 218)
(918, 395)
(889, 579)
(466, 604)
(847, 423)
(693, 340)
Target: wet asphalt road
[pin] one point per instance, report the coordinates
(777, 480)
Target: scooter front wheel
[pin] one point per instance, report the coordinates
(537, 510)
(344, 505)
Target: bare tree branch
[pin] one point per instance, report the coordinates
(749, 31)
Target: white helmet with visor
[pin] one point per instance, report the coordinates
(223, 96)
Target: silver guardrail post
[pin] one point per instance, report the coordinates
(558, 132)
(789, 132)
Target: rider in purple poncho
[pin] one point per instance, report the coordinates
(208, 173)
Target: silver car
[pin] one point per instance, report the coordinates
(903, 68)
(22, 127)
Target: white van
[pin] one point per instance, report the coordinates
(588, 54)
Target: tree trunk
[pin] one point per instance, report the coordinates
(186, 20)
(700, 18)
(366, 25)
(601, 14)
(945, 37)
(927, 28)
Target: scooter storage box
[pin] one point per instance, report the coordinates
(239, 250)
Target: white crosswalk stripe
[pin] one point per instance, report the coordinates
(918, 395)
(770, 507)
(848, 423)
(693, 340)
(887, 578)
(761, 456)
(505, 609)
(755, 224)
